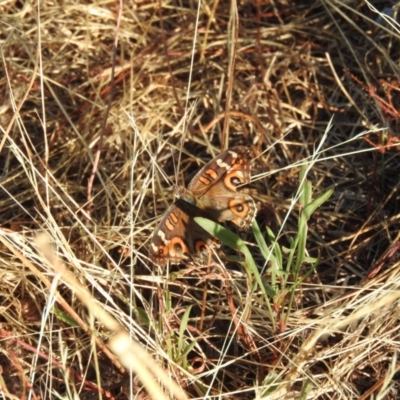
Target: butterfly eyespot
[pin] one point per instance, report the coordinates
(201, 246)
(178, 247)
(161, 251)
(235, 181)
(239, 207)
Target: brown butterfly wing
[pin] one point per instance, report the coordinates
(177, 237)
(235, 161)
(169, 241)
(215, 188)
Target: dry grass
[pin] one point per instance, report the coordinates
(93, 138)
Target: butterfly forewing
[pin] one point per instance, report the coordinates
(231, 163)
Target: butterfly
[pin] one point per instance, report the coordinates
(212, 194)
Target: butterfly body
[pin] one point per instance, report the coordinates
(212, 194)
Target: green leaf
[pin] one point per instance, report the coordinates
(64, 317)
(234, 242)
(182, 328)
